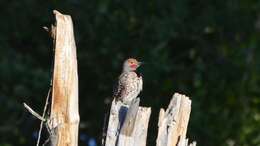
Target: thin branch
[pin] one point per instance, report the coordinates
(42, 118)
(43, 115)
(30, 110)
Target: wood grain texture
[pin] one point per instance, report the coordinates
(127, 125)
(64, 118)
(173, 122)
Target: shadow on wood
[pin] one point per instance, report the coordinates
(174, 122)
(124, 124)
(128, 124)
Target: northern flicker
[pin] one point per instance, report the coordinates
(129, 83)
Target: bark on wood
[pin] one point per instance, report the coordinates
(64, 117)
(127, 125)
(174, 122)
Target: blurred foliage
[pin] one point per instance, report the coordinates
(204, 49)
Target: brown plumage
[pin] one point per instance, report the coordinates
(129, 83)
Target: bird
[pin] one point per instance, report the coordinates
(129, 84)
(128, 87)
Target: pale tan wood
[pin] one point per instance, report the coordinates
(134, 122)
(174, 122)
(129, 122)
(139, 135)
(64, 117)
(113, 123)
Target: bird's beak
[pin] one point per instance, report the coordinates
(140, 63)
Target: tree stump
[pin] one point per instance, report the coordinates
(174, 122)
(64, 118)
(127, 125)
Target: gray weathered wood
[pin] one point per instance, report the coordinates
(127, 125)
(64, 117)
(129, 122)
(138, 137)
(173, 122)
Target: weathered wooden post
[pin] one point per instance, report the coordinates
(64, 117)
(174, 122)
(127, 124)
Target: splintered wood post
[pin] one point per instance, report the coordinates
(64, 118)
(127, 125)
(174, 122)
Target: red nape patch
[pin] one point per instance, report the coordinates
(133, 66)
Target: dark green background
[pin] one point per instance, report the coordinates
(208, 50)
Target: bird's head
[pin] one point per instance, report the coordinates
(131, 64)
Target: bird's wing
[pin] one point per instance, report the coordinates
(136, 82)
(120, 86)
